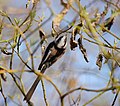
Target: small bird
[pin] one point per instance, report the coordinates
(53, 52)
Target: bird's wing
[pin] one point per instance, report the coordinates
(46, 55)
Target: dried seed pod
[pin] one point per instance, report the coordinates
(73, 43)
(83, 50)
(99, 60)
(76, 30)
(108, 23)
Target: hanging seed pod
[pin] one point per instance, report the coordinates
(108, 23)
(99, 60)
(83, 50)
(76, 30)
(73, 43)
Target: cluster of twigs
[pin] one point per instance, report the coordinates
(94, 27)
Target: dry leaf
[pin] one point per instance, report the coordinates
(76, 30)
(83, 50)
(99, 60)
(108, 23)
(61, 15)
(73, 43)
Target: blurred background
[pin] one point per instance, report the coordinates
(69, 72)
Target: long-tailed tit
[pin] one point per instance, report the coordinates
(53, 52)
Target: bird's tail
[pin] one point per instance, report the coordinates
(32, 89)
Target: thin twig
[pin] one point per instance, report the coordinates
(86, 89)
(48, 79)
(113, 103)
(5, 98)
(44, 92)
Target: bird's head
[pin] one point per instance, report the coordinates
(61, 42)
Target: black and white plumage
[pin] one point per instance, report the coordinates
(53, 52)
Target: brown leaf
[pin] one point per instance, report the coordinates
(83, 50)
(99, 60)
(59, 17)
(108, 24)
(77, 29)
(73, 43)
